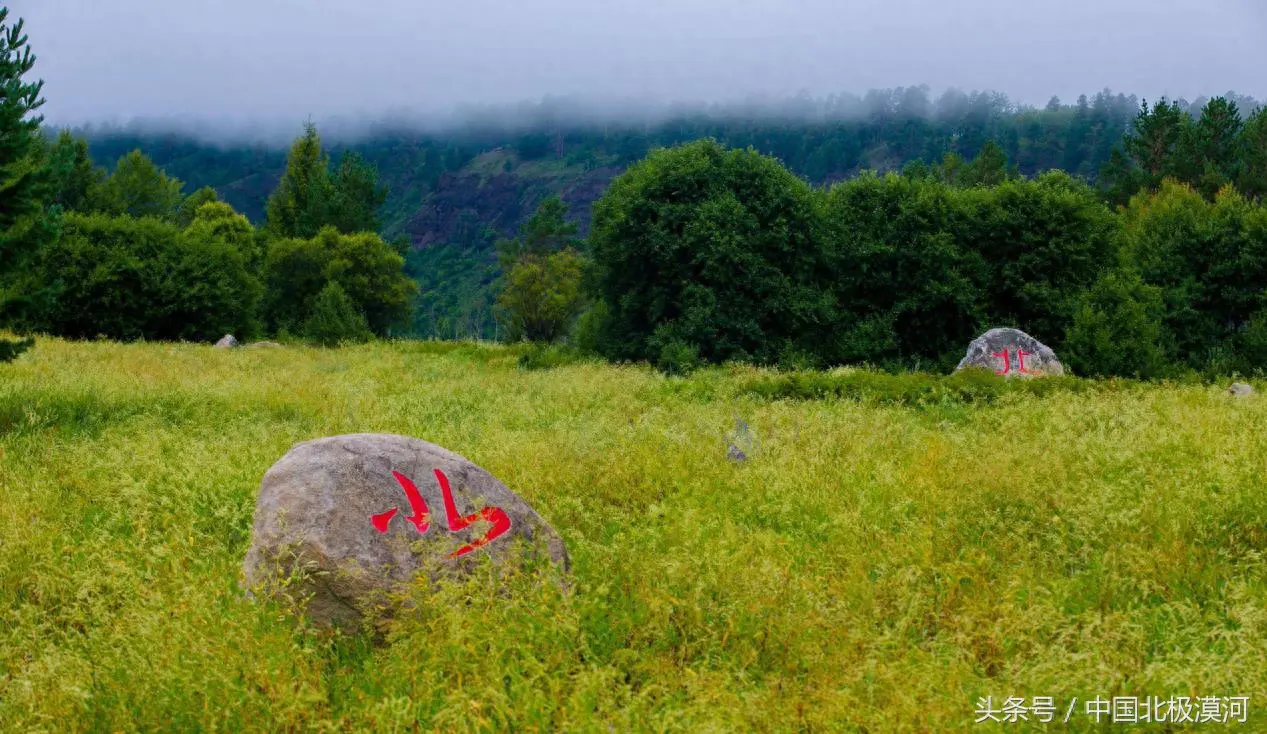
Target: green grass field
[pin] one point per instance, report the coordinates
(873, 567)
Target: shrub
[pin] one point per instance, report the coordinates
(719, 244)
(541, 296)
(1118, 330)
(1209, 261)
(335, 319)
(368, 270)
(128, 278)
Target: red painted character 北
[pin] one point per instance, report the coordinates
(421, 517)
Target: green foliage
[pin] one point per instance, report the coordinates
(913, 389)
(541, 291)
(458, 284)
(309, 197)
(189, 207)
(298, 207)
(335, 319)
(138, 188)
(1118, 329)
(587, 332)
(921, 268)
(355, 196)
(906, 286)
(1209, 260)
(127, 278)
(1158, 139)
(541, 296)
(12, 349)
(76, 179)
(712, 248)
(26, 180)
(989, 168)
(542, 356)
(1208, 153)
(545, 233)
(366, 268)
(676, 357)
(1252, 176)
(216, 220)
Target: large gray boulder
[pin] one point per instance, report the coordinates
(1240, 390)
(227, 342)
(1013, 353)
(364, 513)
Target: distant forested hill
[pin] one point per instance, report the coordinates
(454, 193)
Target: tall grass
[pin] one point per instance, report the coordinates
(878, 565)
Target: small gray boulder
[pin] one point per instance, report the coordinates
(1240, 390)
(226, 342)
(263, 345)
(1013, 353)
(363, 514)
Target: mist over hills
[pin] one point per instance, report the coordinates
(458, 182)
(574, 112)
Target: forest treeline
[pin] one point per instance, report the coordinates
(822, 140)
(701, 251)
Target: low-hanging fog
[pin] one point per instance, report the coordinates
(260, 67)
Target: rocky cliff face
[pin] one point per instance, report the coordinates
(502, 199)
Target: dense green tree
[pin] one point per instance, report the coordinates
(1156, 141)
(128, 278)
(368, 270)
(711, 248)
(546, 232)
(138, 188)
(541, 296)
(299, 207)
(189, 207)
(1215, 159)
(335, 319)
(1252, 175)
(1209, 259)
(217, 220)
(1041, 242)
(907, 289)
(310, 197)
(541, 291)
(356, 196)
(988, 168)
(1118, 330)
(26, 222)
(76, 178)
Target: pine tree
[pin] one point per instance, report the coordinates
(138, 188)
(76, 179)
(356, 196)
(299, 205)
(26, 180)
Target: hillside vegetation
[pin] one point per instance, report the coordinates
(875, 565)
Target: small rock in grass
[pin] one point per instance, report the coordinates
(1240, 390)
(226, 342)
(1012, 353)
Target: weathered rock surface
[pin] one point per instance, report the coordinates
(226, 342)
(1013, 353)
(256, 345)
(1240, 390)
(369, 512)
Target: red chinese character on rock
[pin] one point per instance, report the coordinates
(1007, 362)
(421, 517)
(1021, 354)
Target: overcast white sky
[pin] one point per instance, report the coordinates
(284, 60)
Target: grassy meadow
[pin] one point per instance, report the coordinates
(873, 566)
